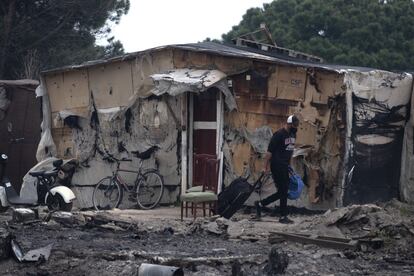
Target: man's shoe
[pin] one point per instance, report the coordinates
(285, 220)
(258, 209)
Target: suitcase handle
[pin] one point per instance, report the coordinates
(259, 180)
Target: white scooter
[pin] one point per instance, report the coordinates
(51, 189)
(52, 186)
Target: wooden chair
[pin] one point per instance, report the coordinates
(199, 172)
(206, 198)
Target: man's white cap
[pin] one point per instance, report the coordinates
(292, 119)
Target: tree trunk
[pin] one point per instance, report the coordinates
(8, 21)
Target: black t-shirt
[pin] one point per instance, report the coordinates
(281, 146)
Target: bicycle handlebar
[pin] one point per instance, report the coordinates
(145, 154)
(16, 140)
(140, 155)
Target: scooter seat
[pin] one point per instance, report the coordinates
(50, 173)
(37, 173)
(43, 173)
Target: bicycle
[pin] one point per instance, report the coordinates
(148, 187)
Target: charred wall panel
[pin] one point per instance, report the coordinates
(379, 107)
(116, 117)
(376, 153)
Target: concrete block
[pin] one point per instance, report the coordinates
(24, 214)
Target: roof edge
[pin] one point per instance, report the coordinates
(22, 82)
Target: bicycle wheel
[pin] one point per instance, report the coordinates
(150, 189)
(107, 194)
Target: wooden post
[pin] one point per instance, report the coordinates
(184, 145)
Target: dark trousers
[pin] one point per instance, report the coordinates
(280, 174)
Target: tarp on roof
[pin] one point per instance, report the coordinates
(176, 82)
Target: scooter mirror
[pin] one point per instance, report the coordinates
(9, 127)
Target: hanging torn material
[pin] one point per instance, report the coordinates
(179, 81)
(47, 147)
(259, 139)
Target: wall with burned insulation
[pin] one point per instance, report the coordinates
(102, 109)
(317, 98)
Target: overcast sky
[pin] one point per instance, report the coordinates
(152, 23)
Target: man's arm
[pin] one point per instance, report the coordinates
(267, 161)
(270, 150)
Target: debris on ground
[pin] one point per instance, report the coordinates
(153, 269)
(5, 239)
(35, 255)
(117, 242)
(323, 241)
(277, 263)
(67, 218)
(24, 215)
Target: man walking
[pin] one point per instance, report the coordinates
(278, 157)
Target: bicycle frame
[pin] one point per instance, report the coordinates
(138, 188)
(122, 182)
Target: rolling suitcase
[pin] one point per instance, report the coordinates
(233, 197)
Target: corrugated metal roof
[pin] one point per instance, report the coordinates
(229, 50)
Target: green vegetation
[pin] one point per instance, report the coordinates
(372, 33)
(40, 34)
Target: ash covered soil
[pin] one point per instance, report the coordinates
(117, 242)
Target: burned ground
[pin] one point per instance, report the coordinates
(117, 242)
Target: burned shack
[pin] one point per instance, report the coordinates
(226, 100)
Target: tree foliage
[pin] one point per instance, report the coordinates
(372, 33)
(40, 34)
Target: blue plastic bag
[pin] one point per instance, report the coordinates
(295, 185)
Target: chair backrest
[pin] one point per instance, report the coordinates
(200, 168)
(212, 170)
